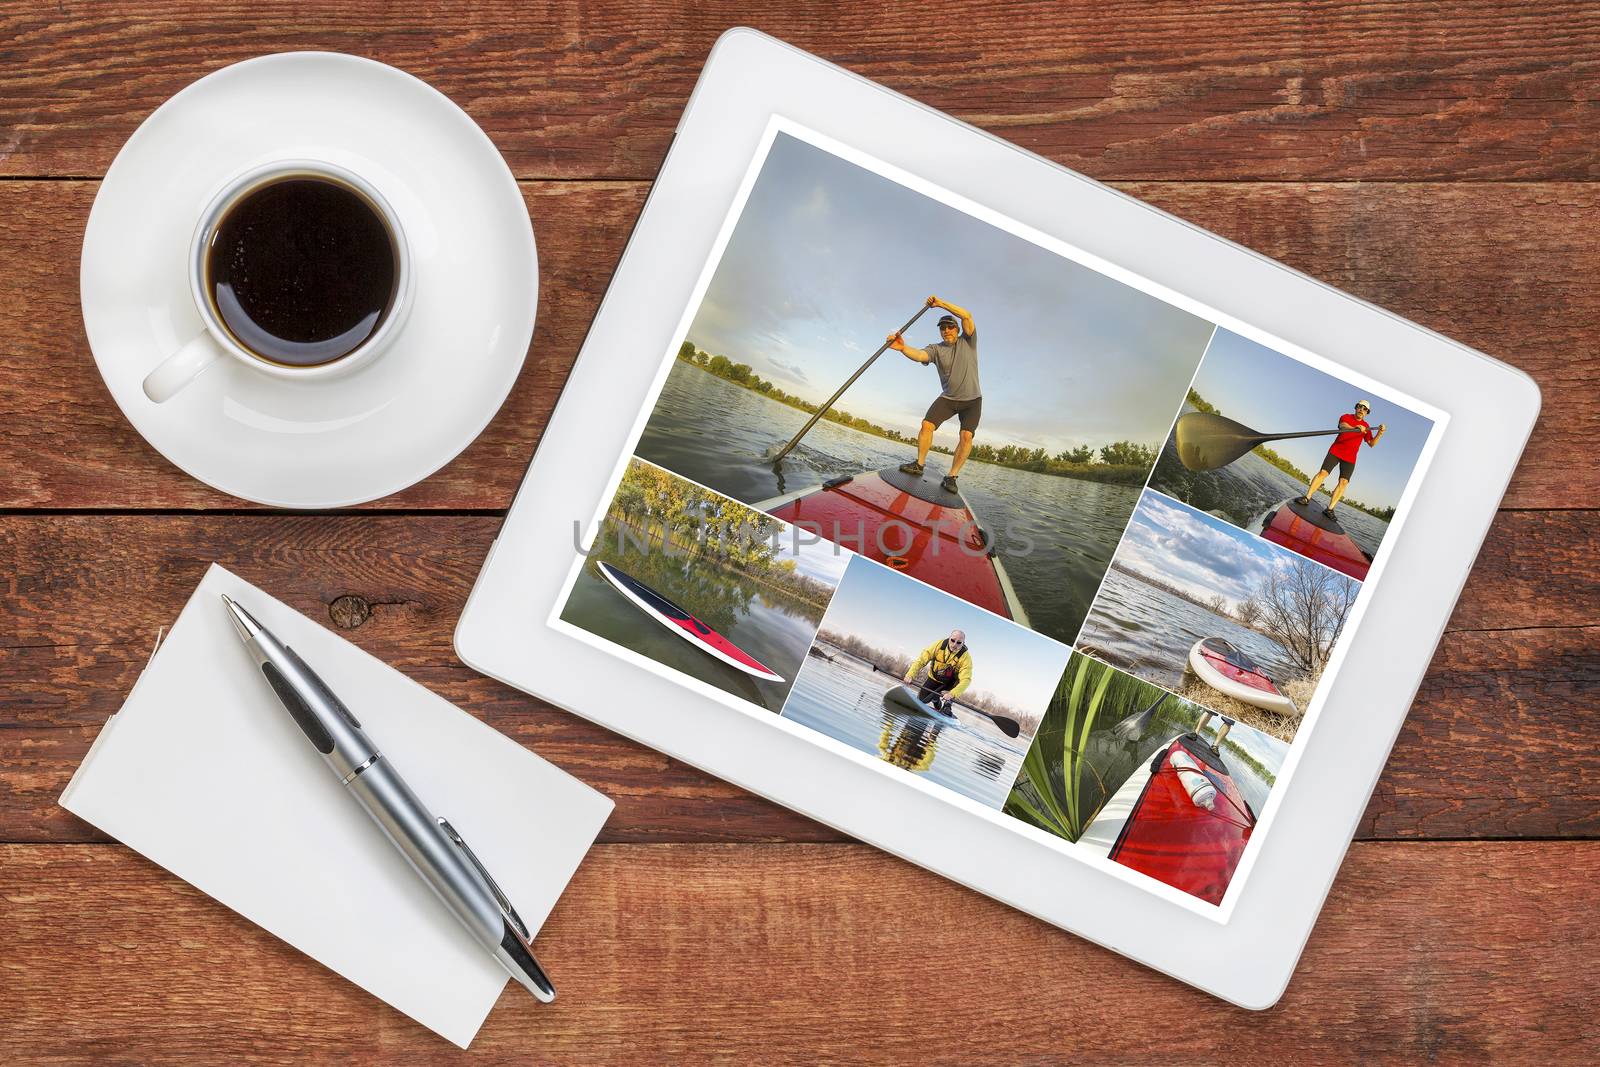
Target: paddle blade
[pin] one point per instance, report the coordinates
(1135, 725)
(1206, 441)
(1009, 727)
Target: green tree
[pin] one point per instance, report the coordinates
(1128, 454)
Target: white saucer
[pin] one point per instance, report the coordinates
(386, 425)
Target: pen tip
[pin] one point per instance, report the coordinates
(243, 622)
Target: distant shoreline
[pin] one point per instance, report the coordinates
(1156, 583)
(1012, 456)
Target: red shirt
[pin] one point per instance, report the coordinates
(1348, 445)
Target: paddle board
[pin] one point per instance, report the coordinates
(1305, 530)
(911, 523)
(684, 624)
(903, 698)
(1221, 665)
(1179, 818)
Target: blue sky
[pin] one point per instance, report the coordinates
(1264, 747)
(1269, 750)
(900, 614)
(828, 258)
(1268, 391)
(822, 560)
(1198, 553)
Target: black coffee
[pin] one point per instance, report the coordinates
(302, 270)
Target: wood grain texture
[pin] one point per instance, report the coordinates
(1513, 280)
(805, 954)
(1437, 160)
(1499, 743)
(1125, 89)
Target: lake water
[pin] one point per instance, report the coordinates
(1247, 490)
(773, 628)
(1056, 535)
(1148, 632)
(843, 699)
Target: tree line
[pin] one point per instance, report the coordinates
(1123, 462)
(1302, 606)
(667, 510)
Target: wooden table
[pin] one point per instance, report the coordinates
(1440, 160)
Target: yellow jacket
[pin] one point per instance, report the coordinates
(941, 661)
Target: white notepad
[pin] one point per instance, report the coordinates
(203, 772)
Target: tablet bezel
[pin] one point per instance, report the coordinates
(1245, 956)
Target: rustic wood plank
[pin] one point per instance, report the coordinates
(1127, 89)
(1499, 742)
(1455, 261)
(1464, 951)
(1475, 952)
(1513, 279)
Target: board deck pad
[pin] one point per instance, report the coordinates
(924, 486)
(911, 524)
(1304, 530)
(1314, 515)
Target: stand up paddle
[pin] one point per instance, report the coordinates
(777, 457)
(1133, 727)
(907, 698)
(1206, 441)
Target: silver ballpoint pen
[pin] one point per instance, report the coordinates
(430, 845)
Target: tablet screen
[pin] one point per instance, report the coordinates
(997, 517)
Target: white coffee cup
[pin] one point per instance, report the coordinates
(214, 342)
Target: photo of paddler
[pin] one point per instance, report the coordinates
(1291, 453)
(1142, 777)
(925, 682)
(816, 380)
(955, 356)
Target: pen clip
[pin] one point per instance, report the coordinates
(506, 909)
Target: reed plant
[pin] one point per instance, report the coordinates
(1076, 761)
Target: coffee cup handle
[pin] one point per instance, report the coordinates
(181, 368)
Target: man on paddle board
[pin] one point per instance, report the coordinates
(956, 358)
(1343, 453)
(949, 663)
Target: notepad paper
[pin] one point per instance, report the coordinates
(204, 772)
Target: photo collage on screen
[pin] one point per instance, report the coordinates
(1042, 539)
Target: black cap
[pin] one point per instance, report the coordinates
(948, 320)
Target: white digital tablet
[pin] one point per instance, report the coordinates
(998, 519)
